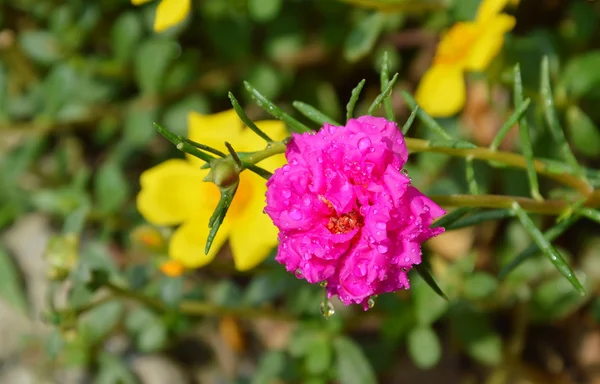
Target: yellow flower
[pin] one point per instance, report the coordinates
(174, 193)
(466, 46)
(168, 12)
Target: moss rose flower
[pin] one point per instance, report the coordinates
(347, 214)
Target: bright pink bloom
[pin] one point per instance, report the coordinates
(347, 214)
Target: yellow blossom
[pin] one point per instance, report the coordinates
(466, 46)
(174, 193)
(172, 268)
(168, 12)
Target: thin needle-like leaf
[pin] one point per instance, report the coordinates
(512, 120)
(424, 117)
(470, 176)
(547, 248)
(354, 99)
(430, 280)
(480, 217)
(181, 144)
(383, 95)
(552, 119)
(218, 216)
(410, 120)
(592, 214)
(452, 216)
(203, 147)
(550, 235)
(385, 78)
(275, 111)
(314, 114)
(249, 123)
(525, 137)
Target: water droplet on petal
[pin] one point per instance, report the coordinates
(294, 162)
(327, 309)
(380, 225)
(295, 214)
(370, 303)
(404, 172)
(381, 248)
(332, 129)
(320, 160)
(299, 273)
(306, 201)
(286, 193)
(407, 259)
(364, 143)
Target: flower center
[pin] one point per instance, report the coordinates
(344, 223)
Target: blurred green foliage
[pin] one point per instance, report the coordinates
(81, 83)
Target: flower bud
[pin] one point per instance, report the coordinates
(224, 172)
(62, 254)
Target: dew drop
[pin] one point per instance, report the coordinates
(381, 248)
(364, 143)
(320, 160)
(407, 259)
(286, 193)
(404, 172)
(327, 309)
(299, 273)
(306, 201)
(381, 225)
(294, 162)
(295, 214)
(370, 303)
(332, 129)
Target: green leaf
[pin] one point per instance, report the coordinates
(98, 322)
(385, 93)
(478, 217)
(547, 248)
(153, 337)
(410, 120)
(249, 123)
(384, 78)
(41, 46)
(151, 61)
(125, 34)
(475, 332)
(552, 119)
(525, 136)
(139, 129)
(271, 365)
(274, 110)
(113, 370)
(353, 99)
(456, 144)
(319, 357)
(424, 347)
(479, 286)
(451, 217)
(171, 291)
(11, 289)
(363, 37)
(111, 187)
(427, 120)
(518, 113)
(582, 131)
(352, 365)
(550, 235)
(429, 305)
(264, 10)
(314, 114)
(581, 74)
(429, 279)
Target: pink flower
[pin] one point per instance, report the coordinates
(347, 215)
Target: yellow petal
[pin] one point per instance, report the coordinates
(441, 92)
(276, 130)
(253, 235)
(489, 42)
(454, 46)
(169, 13)
(490, 8)
(174, 191)
(188, 241)
(139, 2)
(214, 130)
